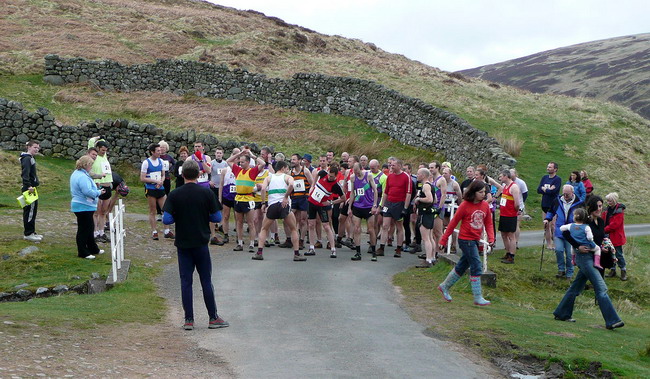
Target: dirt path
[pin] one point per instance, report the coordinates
(118, 350)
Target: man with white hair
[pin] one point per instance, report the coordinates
(563, 208)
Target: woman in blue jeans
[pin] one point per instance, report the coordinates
(585, 262)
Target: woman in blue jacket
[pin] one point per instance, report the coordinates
(578, 186)
(84, 204)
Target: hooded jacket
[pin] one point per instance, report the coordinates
(614, 224)
(564, 212)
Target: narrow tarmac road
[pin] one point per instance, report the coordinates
(325, 317)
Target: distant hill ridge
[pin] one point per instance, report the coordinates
(614, 69)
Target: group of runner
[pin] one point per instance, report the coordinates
(324, 202)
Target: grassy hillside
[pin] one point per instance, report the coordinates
(608, 141)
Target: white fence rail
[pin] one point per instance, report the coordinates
(117, 233)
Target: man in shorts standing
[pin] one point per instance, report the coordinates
(321, 200)
(192, 208)
(440, 194)
(302, 182)
(102, 167)
(363, 200)
(508, 212)
(152, 175)
(276, 206)
(245, 200)
(397, 196)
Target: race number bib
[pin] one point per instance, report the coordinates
(233, 189)
(219, 171)
(156, 175)
(299, 185)
(349, 186)
(385, 209)
(165, 165)
(202, 178)
(360, 192)
(251, 205)
(106, 168)
(180, 170)
(503, 202)
(318, 194)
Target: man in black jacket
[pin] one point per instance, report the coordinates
(30, 182)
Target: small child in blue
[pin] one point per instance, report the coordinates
(583, 235)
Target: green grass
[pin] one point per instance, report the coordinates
(521, 313)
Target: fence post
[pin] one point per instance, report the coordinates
(453, 206)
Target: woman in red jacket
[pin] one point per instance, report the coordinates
(614, 218)
(476, 216)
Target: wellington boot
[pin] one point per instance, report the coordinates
(475, 281)
(444, 287)
(597, 262)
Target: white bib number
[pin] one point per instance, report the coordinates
(233, 189)
(219, 171)
(299, 185)
(385, 209)
(251, 205)
(503, 202)
(202, 178)
(106, 168)
(318, 194)
(360, 192)
(349, 186)
(156, 175)
(180, 170)
(165, 165)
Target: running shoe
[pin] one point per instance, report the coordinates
(216, 323)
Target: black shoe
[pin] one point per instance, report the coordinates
(570, 319)
(225, 239)
(238, 248)
(258, 257)
(612, 273)
(356, 257)
(374, 258)
(509, 259)
(615, 325)
(310, 252)
(333, 255)
(422, 256)
(560, 274)
(623, 275)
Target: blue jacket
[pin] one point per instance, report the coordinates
(564, 213)
(579, 190)
(84, 192)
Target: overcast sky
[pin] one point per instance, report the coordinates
(459, 34)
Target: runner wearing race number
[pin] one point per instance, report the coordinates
(320, 199)
(244, 200)
(345, 226)
(278, 186)
(364, 206)
(204, 162)
(152, 175)
(102, 166)
(397, 196)
(508, 212)
(258, 216)
(451, 199)
(440, 192)
(424, 204)
(218, 166)
(168, 163)
(227, 197)
(380, 181)
(302, 183)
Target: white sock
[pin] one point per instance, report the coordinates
(311, 247)
(166, 231)
(241, 243)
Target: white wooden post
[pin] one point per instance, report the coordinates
(117, 233)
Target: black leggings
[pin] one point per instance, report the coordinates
(86, 244)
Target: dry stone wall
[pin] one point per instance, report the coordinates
(128, 140)
(408, 120)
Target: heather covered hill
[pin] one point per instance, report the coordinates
(614, 69)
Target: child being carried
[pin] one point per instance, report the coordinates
(583, 235)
